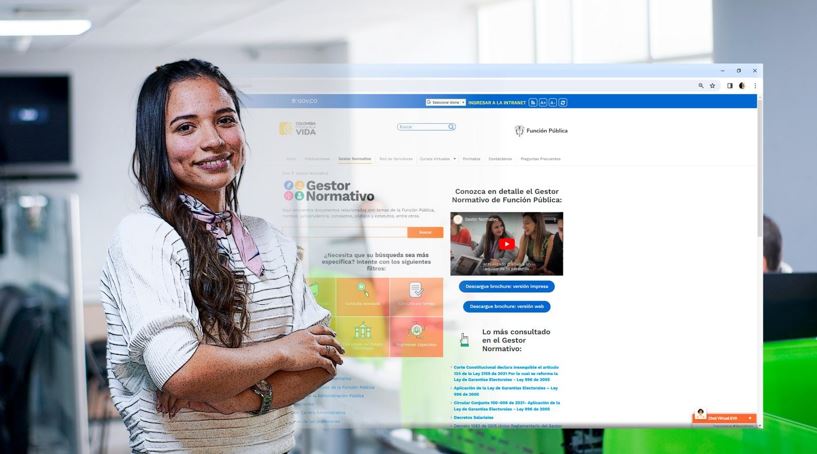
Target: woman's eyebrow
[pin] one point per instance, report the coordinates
(183, 117)
(192, 116)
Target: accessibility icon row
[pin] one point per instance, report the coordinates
(547, 102)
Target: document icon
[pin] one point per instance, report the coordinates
(415, 289)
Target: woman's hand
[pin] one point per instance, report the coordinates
(309, 348)
(246, 401)
(494, 263)
(169, 404)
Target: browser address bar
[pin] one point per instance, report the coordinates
(483, 85)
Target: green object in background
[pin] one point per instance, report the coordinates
(499, 441)
(789, 420)
(790, 380)
(323, 289)
(778, 435)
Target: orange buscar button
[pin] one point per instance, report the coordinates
(425, 232)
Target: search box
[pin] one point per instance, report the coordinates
(426, 126)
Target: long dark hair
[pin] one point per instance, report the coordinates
(488, 239)
(539, 236)
(220, 294)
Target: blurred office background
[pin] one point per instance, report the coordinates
(128, 38)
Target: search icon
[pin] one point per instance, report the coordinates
(700, 85)
(361, 287)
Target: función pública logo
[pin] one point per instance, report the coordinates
(319, 191)
(520, 130)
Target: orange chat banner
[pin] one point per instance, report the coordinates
(725, 418)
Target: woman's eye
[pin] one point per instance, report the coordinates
(186, 127)
(226, 120)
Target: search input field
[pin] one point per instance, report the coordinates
(374, 231)
(426, 126)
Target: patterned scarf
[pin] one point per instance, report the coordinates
(246, 246)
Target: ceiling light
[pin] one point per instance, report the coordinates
(43, 27)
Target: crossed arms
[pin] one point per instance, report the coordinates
(219, 379)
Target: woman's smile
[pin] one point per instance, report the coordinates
(216, 163)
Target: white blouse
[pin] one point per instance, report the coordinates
(154, 329)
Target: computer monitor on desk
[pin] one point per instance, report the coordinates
(789, 306)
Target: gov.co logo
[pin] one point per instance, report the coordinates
(519, 130)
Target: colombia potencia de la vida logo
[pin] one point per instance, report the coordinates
(293, 190)
(519, 130)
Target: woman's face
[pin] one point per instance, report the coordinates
(560, 224)
(498, 228)
(205, 142)
(528, 225)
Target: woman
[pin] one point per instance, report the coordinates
(212, 332)
(488, 248)
(554, 258)
(459, 233)
(533, 243)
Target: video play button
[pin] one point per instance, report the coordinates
(507, 244)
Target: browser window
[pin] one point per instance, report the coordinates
(432, 202)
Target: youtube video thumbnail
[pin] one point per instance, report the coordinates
(501, 244)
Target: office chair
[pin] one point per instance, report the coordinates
(97, 379)
(21, 342)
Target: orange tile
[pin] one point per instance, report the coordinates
(362, 296)
(416, 337)
(416, 297)
(363, 336)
